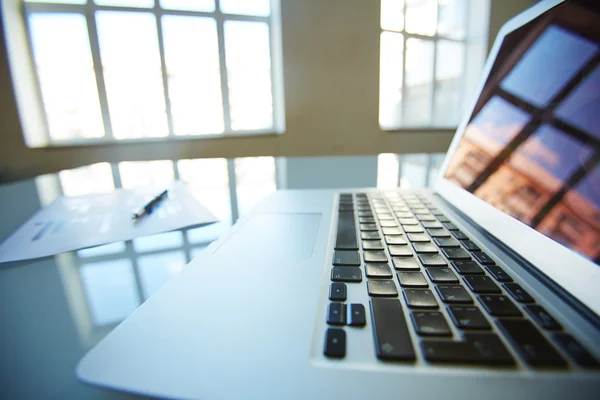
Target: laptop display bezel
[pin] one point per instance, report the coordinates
(573, 272)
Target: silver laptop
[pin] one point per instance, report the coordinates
(486, 287)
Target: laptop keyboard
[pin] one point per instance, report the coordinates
(419, 269)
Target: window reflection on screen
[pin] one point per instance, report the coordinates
(532, 146)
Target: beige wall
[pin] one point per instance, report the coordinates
(331, 66)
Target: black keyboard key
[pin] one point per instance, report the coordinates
(382, 288)
(372, 245)
(498, 273)
(366, 220)
(400, 250)
(446, 242)
(459, 235)
(375, 256)
(467, 268)
(346, 207)
(357, 315)
(346, 257)
(364, 213)
(450, 226)
(481, 284)
(455, 253)
(470, 245)
(425, 247)
(430, 323)
(420, 298)
(543, 318)
(370, 236)
(454, 294)
(388, 224)
(438, 232)
(392, 340)
(337, 291)
(412, 279)
(431, 224)
(406, 263)
(392, 231)
(483, 258)
(408, 221)
(413, 229)
(518, 293)
(346, 274)
(395, 240)
(368, 227)
(336, 314)
(477, 348)
(418, 237)
(441, 275)
(573, 348)
(468, 318)
(432, 260)
(378, 271)
(335, 343)
(443, 218)
(530, 343)
(499, 306)
(346, 232)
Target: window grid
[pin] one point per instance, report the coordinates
(88, 11)
(434, 38)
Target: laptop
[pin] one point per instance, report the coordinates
(486, 286)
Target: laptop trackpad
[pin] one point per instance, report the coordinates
(274, 236)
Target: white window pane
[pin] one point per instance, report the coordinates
(246, 7)
(192, 61)
(132, 73)
(126, 3)
(161, 241)
(249, 75)
(157, 269)
(95, 178)
(392, 14)
(110, 290)
(419, 82)
(146, 173)
(208, 180)
(65, 69)
(452, 18)
(189, 5)
(421, 16)
(255, 180)
(449, 69)
(390, 80)
(387, 171)
(105, 249)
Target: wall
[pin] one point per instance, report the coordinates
(331, 71)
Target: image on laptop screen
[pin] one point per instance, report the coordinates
(532, 145)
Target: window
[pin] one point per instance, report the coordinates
(134, 69)
(425, 45)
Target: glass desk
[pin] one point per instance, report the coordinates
(54, 309)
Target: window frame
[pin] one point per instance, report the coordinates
(88, 9)
(434, 39)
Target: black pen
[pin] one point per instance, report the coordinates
(149, 206)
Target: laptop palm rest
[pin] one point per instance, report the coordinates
(279, 236)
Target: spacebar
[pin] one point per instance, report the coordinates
(346, 232)
(392, 340)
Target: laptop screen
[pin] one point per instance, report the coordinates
(532, 145)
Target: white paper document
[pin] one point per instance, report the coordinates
(73, 223)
